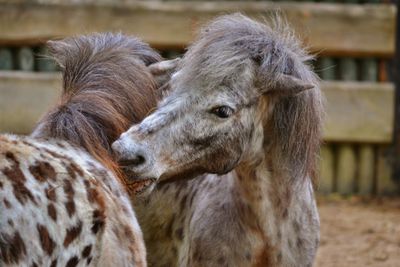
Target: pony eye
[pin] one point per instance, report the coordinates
(222, 112)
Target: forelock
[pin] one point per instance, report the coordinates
(233, 42)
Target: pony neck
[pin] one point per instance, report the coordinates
(270, 191)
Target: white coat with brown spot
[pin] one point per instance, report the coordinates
(60, 207)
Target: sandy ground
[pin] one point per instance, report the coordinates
(359, 232)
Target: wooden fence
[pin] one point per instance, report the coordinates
(353, 43)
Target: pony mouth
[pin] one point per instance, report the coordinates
(134, 182)
(139, 186)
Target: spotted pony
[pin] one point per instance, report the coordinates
(63, 201)
(243, 119)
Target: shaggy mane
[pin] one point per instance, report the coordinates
(106, 88)
(228, 44)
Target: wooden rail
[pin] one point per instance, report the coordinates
(359, 111)
(331, 29)
(359, 119)
(24, 97)
(356, 112)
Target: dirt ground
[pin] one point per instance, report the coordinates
(359, 232)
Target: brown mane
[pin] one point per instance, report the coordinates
(106, 88)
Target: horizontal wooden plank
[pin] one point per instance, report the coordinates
(356, 112)
(329, 29)
(359, 111)
(25, 97)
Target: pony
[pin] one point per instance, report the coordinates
(231, 152)
(63, 199)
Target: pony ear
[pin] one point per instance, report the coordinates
(164, 66)
(162, 72)
(287, 85)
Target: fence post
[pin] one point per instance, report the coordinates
(44, 63)
(366, 171)
(25, 59)
(396, 75)
(327, 170)
(6, 59)
(346, 155)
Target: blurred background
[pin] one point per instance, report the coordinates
(354, 44)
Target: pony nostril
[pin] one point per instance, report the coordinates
(135, 161)
(140, 160)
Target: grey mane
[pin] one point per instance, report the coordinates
(226, 46)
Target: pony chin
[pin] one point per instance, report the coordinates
(145, 192)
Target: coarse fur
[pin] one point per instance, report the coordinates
(106, 88)
(60, 207)
(244, 119)
(64, 201)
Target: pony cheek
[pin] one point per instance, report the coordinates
(224, 161)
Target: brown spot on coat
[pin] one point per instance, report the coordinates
(73, 170)
(299, 243)
(296, 226)
(263, 257)
(45, 240)
(68, 189)
(128, 233)
(72, 233)
(17, 179)
(54, 263)
(72, 262)
(98, 221)
(60, 144)
(99, 172)
(285, 213)
(51, 210)
(56, 155)
(86, 251)
(42, 171)
(28, 144)
(94, 196)
(70, 207)
(51, 193)
(125, 210)
(11, 157)
(69, 192)
(7, 204)
(12, 248)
